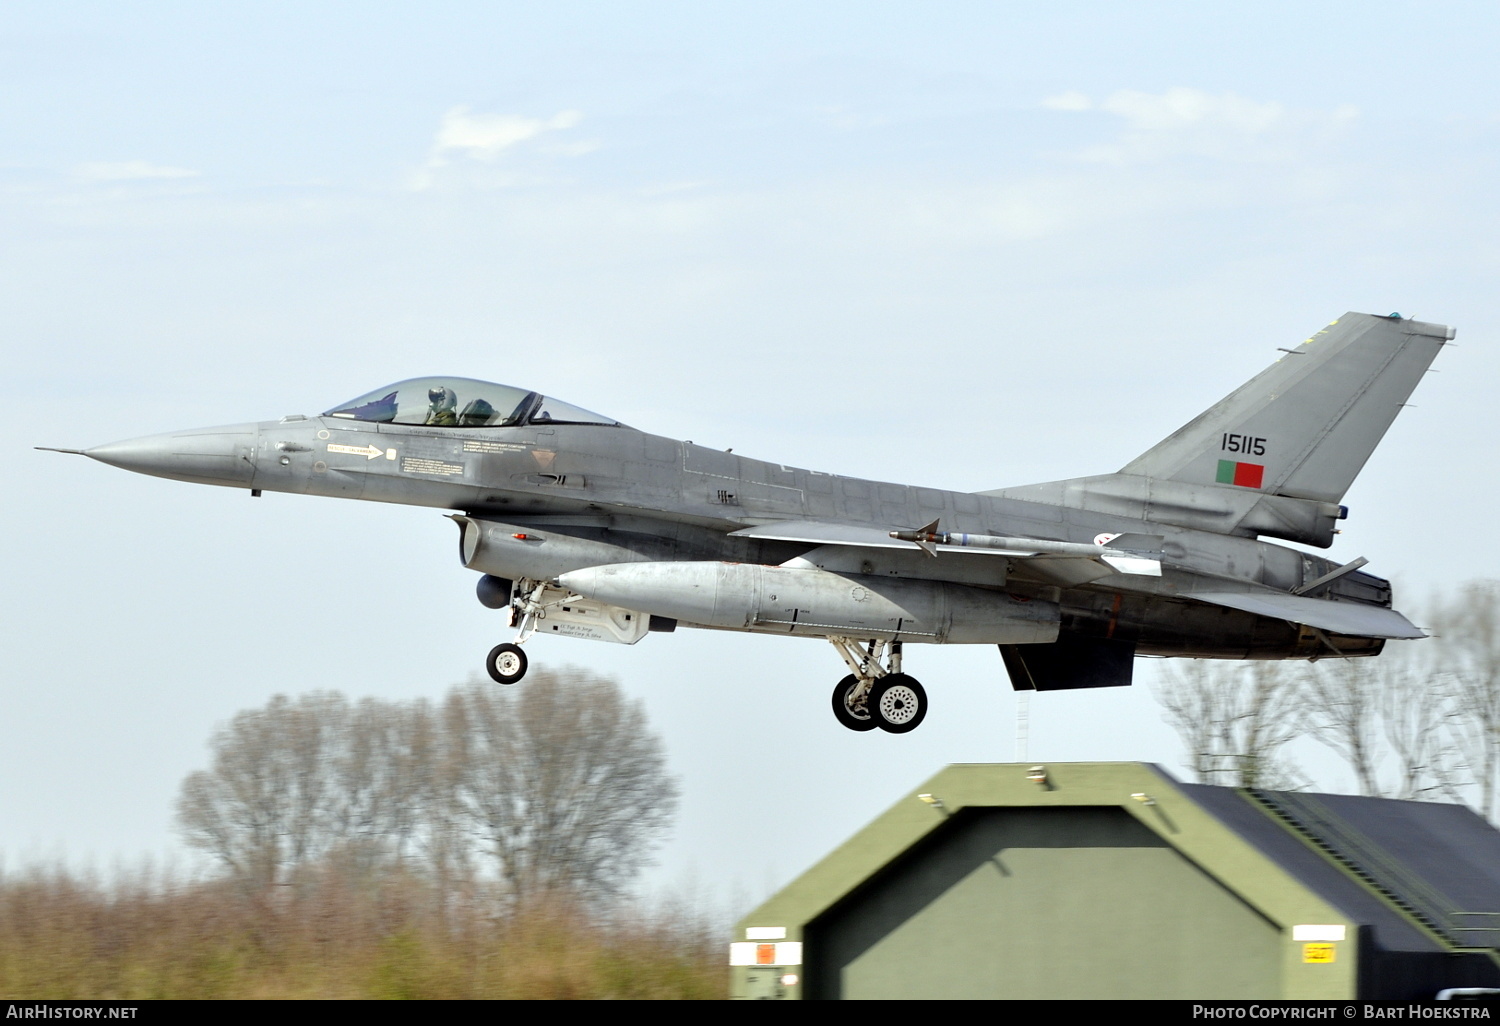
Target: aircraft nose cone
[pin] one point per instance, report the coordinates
(223, 455)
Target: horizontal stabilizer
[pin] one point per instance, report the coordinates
(1352, 618)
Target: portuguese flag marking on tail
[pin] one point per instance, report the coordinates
(1246, 475)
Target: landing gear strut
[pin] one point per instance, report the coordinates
(506, 662)
(877, 693)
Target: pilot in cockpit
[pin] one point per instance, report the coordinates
(442, 407)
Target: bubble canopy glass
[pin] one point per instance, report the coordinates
(461, 402)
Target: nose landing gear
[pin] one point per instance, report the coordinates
(877, 693)
(506, 662)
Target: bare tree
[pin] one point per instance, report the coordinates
(563, 783)
(263, 807)
(1468, 630)
(1234, 720)
(1417, 715)
(1343, 710)
(377, 791)
(559, 786)
(1422, 721)
(1194, 701)
(1396, 709)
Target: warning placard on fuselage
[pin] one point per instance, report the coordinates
(422, 465)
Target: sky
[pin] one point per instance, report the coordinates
(964, 245)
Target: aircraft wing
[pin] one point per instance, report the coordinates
(1352, 618)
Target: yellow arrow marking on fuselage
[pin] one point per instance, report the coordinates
(369, 452)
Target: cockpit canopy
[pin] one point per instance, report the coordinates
(461, 402)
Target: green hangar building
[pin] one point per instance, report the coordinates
(1113, 880)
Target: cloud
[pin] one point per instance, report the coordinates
(1070, 100)
(484, 136)
(129, 170)
(1190, 122)
(480, 139)
(1177, 109)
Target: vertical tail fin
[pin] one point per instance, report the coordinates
(1305, 426)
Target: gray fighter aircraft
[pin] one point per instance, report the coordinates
(586, 528)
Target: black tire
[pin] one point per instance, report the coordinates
(506, 663)
(897, 703)
(845, 715)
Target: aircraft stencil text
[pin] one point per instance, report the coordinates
(1243, 444)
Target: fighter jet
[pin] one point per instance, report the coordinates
(583, 527)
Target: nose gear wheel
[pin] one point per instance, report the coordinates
(506, 663)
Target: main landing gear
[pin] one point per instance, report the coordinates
(877, 695)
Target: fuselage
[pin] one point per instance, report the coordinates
(585, 494)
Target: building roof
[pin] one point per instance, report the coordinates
(1423, 876)
(1418, 873)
